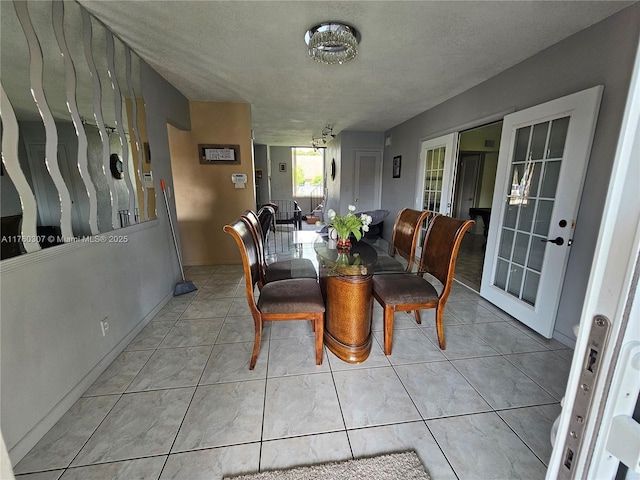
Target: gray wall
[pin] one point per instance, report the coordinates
(602, 54)
(340, 191)
(52, 347)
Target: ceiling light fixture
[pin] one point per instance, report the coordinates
(320, 142)
(332, 42)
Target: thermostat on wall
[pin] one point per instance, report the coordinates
(148, 180)
(239, 179)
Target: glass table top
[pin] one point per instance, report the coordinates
(366, 257)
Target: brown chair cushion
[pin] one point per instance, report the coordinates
(294, 268)
(404, 288)
(291, 296)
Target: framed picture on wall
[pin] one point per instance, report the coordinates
(147, 152)
(282, 167)
(397, 164)
(219, 154)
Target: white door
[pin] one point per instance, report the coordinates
(543, 157)
(368, 180)
(434, 190)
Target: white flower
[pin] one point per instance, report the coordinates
(365, 228)
(369, 219)
(331, 213)
(365, 219)
(352, 208)
(318, 223)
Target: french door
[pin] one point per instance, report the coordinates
(435, 174)
(434, 188)
(541, 167)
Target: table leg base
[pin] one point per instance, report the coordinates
(348, 353)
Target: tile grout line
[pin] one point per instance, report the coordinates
(192, 395)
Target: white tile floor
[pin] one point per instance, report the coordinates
(181, 403)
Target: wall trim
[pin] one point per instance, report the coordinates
(33, 436)
(43, 255)
(478, 122)
(564, 339)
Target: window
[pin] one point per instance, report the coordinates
(308, 172)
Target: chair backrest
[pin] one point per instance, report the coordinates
(266, 217)
(252, 219)
(241, 231)
(406, 231)
(440, 248)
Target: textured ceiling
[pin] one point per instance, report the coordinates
(413, 55)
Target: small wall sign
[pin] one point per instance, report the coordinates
(219, 154)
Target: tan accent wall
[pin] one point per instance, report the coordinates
(150, 212)
(205, 197)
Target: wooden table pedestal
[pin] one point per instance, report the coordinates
(348, 315)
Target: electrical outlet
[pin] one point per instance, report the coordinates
(104, 324)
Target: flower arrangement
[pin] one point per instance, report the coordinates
(348, 224)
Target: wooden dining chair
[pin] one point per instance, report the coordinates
(404, 240)
(406, 233)
(280, 269)
(407, 292)
(292, 299)
(267, 219)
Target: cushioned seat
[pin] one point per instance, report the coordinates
(289, 296)
(401, 289)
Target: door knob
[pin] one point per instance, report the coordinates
(557, 240)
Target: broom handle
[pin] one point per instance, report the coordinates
(173, 233)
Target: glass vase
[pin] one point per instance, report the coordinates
(343, 245)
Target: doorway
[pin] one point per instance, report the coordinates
(475, 176)
(368, 180)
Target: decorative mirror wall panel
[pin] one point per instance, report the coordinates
(75, 157)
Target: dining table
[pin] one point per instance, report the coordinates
(346, 280)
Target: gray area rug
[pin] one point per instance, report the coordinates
(395, 466)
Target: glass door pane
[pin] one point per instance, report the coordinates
(433, 173)
(535, 169)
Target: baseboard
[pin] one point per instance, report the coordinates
(26, 443)
(564, 339)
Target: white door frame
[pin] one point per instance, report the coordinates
(614, 292)
(450, 142)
